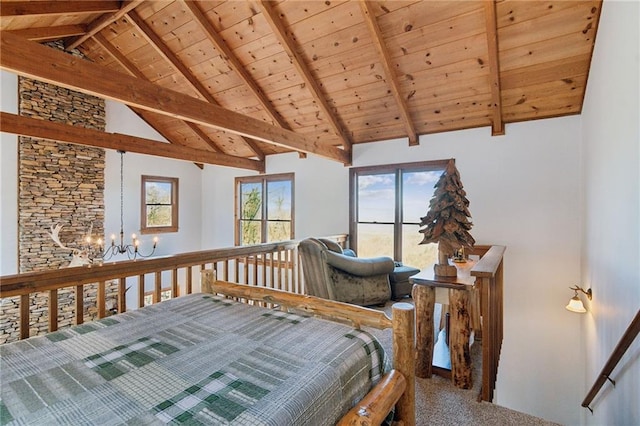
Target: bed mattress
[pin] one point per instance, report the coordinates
(196, 359)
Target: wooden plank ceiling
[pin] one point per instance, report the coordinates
(315, 76)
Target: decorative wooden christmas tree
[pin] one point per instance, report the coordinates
(447, 221)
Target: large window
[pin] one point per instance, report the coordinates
(387, 203)
(264, 209)
(159, 204)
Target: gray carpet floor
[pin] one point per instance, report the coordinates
(438, 402)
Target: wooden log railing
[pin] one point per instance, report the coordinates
(271, 265)
(489, 273)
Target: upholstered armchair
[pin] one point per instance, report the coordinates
(333, 274)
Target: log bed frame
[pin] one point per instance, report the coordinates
(397, 387)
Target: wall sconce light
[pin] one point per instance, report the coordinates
(575, 304)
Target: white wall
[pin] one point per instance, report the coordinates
(611, 211)
(8, 179)
(120, 119)
(524, 193)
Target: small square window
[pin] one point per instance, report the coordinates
(159, 205)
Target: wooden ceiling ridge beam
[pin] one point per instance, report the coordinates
(44, 129)
(231, 58)
(497, 127)
(44, 34)
(42, 8)
(102, 22)
(312, 85)
(392, 79)
(134, 71)
(66, 70)
(163, 50)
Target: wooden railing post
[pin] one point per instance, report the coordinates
(189, 284)
(404, 359)
(101, 300)
(174, 283)
(157, 288)
(122, 295)
(53, 310)
(489, 278)
(24, 316)
(79, 314)
(141, 294)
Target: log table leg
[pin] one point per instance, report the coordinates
(424, 298)
(459, 335)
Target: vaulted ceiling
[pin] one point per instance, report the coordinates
(230, 82)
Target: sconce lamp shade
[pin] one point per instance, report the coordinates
(575, 305)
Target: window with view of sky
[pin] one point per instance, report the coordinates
(387, 203)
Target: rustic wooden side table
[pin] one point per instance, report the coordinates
(460, 289)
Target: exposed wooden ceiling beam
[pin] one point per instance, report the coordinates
(159, 46)
(215, 38)
(68, 71)
(125, 63)
(227, 54)
(287, 43)
(37, 128)
(497, 127)
(163, 50)
(102, 22)
(41, 8)
(44, 34)
(392, 78)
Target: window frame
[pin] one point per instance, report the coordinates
(264, 221)
(396, 169)
(144, 228)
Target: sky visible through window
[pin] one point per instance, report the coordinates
(377, 210)
(279, 199)
(376, 196)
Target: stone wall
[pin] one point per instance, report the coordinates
(58, 184)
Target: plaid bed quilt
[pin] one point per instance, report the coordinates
(197, 359)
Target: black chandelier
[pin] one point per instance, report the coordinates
(132, 250)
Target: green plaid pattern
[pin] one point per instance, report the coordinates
(196, 359)
(124, 358)
(5, 416)
(283, 316)
(372, 347)
(219, 398)
(69, 333)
